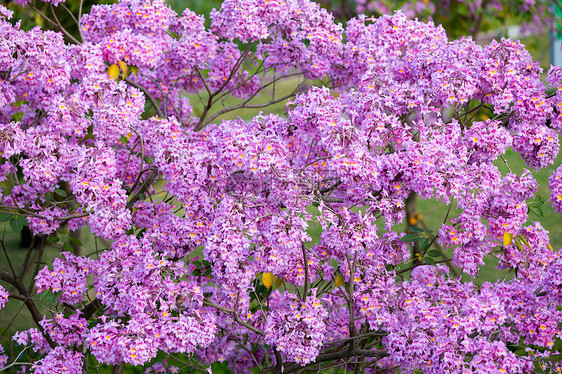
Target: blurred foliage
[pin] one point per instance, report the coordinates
(458, 17)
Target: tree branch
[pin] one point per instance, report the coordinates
(305, 272)
(37, 317)
(148, 96)
(235, 315)
(338, 356)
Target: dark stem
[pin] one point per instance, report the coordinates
(20, 287)
(305, 272)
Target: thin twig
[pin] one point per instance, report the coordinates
(305, 272)
(58, 24)
(16, 361)
(235, 315)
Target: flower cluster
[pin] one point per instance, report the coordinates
(267, 241)
(3, 297)
(296, 329)
(34, 338)
(3, 358)
(59, 361)
(555, 185)
(68, 278)
(66, 331)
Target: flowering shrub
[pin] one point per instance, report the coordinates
(119, 132)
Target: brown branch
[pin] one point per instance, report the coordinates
(143, 188)
(305, 272)
(338, 356)
(28, 256)
(366, 335)
(352, 269)
(245, 105)
(235, 315)
(57, 24)
(91, 308)
(148, 96)
(37, 317)
(141, 161)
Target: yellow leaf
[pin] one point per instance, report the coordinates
(113, 71)
(339, 280)
(124, 68)
(507, 238)
(267, 279)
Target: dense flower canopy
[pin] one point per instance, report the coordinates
(191, 210)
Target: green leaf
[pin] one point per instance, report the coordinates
(429, 260)
(524, 240)
(518, 244)
(60, 192)
(67, 246)
(134, 70)
(48, 298)
(415, 229)
(52, 239)
(538, 368)
(17, 223)
(424, 244)
(410, 238)
(537, 202)
(433, 253)
(536, 211)
(75, 241)
(123, 139)
(16, 117)
(5, 217)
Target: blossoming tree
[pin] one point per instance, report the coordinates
(202, 245)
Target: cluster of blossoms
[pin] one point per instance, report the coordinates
(296, 328)
(555, 185)
(3, 297)
(192, 211)
(68, 277)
